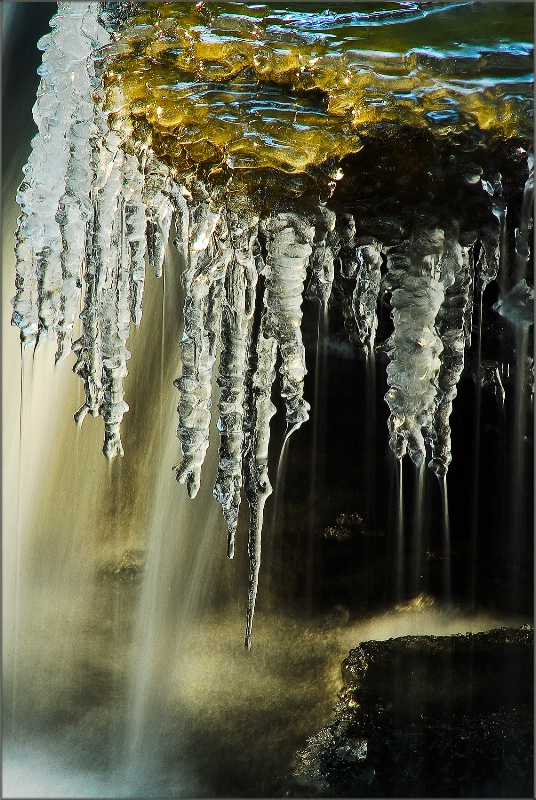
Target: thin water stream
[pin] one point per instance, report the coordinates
(447, 581)
(475, 495)
(318, 412)
(400, 548)
(418, 528)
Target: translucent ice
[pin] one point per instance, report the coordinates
(54, 195)
(415, 346)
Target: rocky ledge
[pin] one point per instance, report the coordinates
(428, 716)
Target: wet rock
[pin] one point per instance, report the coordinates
(428, 716)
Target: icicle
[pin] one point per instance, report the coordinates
(289, 239)
(105, 194)
(344, 244)
(203, 280)
(522, 233)
(114, 286)
(468, 258)
(74, 212)
(235, 334)
(367, 287)
(257, 483)
(345, 237)
(114, 324)
(414, 347)
(54, 196)
(158, 210)
(121, 299)
(489, 259)
(322, 270)
(450, 321)
(517, 305)
(181, 217)
(135, 222)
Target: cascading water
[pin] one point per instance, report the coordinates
(287, 156)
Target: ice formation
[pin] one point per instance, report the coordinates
(54, 213)
(111, 175)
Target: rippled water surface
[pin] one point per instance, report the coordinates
(254, 86)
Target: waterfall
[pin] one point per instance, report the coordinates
(172, 232)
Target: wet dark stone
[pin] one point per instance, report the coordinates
(428, 716)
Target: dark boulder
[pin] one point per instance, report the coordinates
(428, 716)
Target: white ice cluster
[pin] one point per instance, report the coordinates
(55, 214)
(93, 214)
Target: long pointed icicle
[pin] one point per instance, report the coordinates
(181, 218)
(344, 234)
(322, 258)
(344, 246)
(158, 210)
(457, 278)
(367, 287)
(235, 334)
(522, 232)
(106, 194)
(414, 347)
(114, 324)
(121, 300)
(257, 483)
(468, 258)
(209, 256)
(135, 224)
(489, 259)
(289, 244)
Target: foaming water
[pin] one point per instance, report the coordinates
(35, 770)
(424, 616)
(240, 725)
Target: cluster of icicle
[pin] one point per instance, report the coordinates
(92, 215)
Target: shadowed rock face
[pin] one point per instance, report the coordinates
(429, 716)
